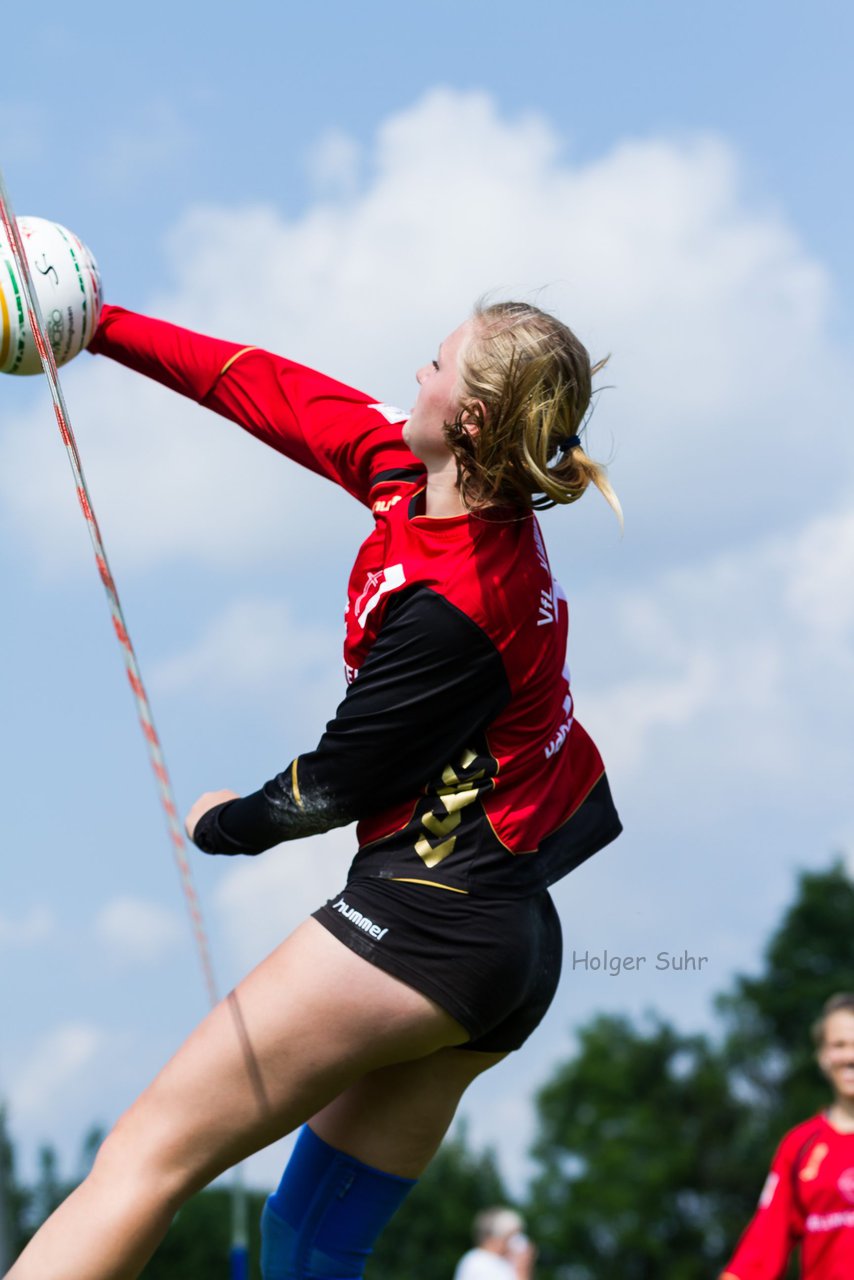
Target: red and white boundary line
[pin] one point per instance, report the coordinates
(146, 720)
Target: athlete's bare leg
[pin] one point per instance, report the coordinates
(395, 1118)
(318, 1018)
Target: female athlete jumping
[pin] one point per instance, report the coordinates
(808, 1197)
(456, 750)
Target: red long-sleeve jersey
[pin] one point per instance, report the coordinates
(456, 745)
(807, 1201)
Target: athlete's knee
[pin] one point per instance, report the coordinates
(140, 1163)
(326, 1215)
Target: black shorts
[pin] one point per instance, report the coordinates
(493, 964)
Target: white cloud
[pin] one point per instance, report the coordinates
(717, 316)
(820, 581)
(741, 667)
(58, 1061)
(255, 647)
(28, 930)
(335, 164)
(734, 673)
(168, 483)
(155, 139)
(263, 899)
(640, 704)
(136, 931)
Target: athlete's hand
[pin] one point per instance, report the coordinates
(209, 800)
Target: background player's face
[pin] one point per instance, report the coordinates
(836, 1055)
(438, 400)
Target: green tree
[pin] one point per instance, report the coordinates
(423, 1242)
(199, 1241)
(49, 1190)
(653, 1145)
(768, 1018)
(634, 1147)
(15, 1201)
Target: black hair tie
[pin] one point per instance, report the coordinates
(569, 442)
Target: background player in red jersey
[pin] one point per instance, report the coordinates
(808, 1198)
(457, 751)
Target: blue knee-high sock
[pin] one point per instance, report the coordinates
(323, 1220)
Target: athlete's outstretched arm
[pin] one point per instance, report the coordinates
(432, 680)
(334, 430)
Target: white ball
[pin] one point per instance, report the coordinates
(68, 287)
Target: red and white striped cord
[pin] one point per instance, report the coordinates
(146, 720)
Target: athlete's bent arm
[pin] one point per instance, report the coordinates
(431, 681)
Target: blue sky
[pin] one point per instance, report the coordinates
(339, 183)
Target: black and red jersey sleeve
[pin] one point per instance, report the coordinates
(776, 1227)
(431, 681)
(334, 430)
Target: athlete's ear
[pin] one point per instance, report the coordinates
(472, 417)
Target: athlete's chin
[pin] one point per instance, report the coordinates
(410, 439)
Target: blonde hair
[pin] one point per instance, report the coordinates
(525, 383)
(843, 1000)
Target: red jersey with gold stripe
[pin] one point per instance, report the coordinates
(456, 747)
(807, 1201)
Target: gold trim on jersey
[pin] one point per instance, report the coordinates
(809, 1172)
(295, 782)
(232, 359)
(449, 888)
